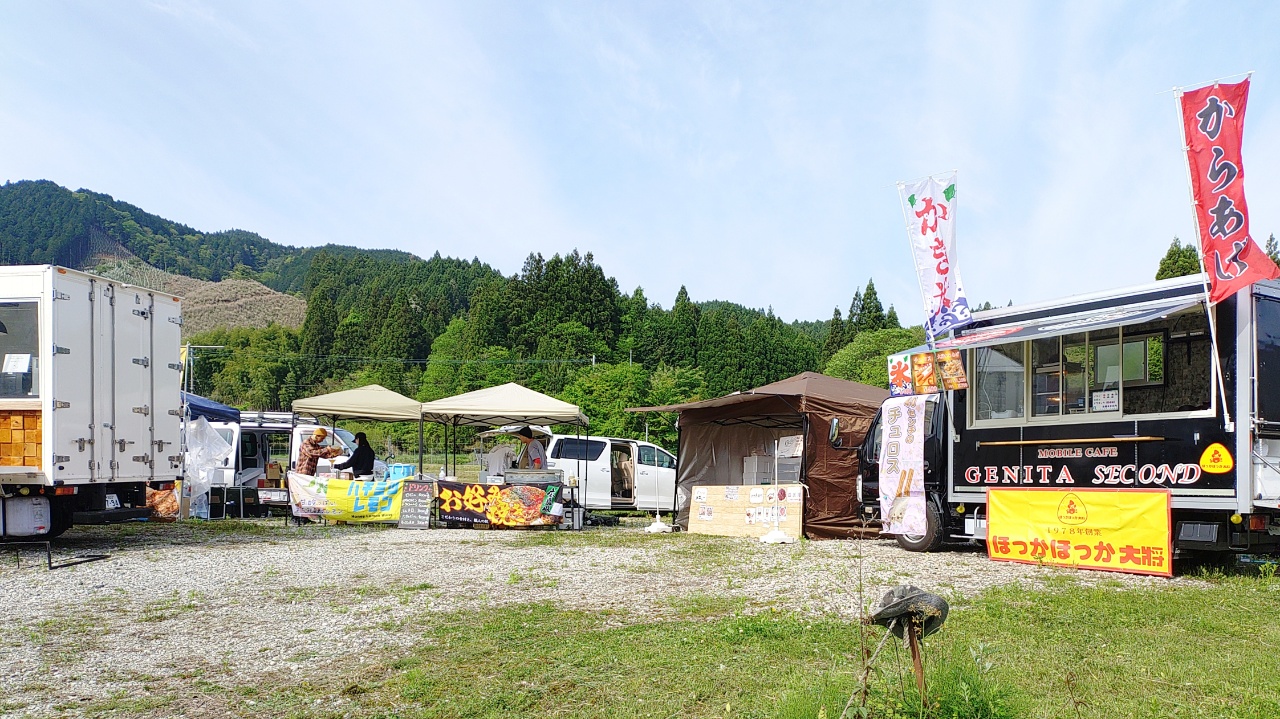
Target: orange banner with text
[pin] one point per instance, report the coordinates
(1114, 530)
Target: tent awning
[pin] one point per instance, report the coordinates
(198, 406)
(505, 404)
(368, 402)
(806, 384)
(1069, 324)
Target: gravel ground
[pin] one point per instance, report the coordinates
(247, 600)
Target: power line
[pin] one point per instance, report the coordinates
(373, 360)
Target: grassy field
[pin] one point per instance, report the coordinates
(1078, 645)
(1064, 651)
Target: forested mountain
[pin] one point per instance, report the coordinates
(43, 222)
(436, 327)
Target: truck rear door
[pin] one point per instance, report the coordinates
(166, 385)
(73, 346)
(132, 384)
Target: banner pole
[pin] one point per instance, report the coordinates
(1210, 312)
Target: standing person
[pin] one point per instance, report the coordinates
(312, 451)
(535, 455)
(361, 462)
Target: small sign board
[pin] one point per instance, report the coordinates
(415, 505)
(17, 363)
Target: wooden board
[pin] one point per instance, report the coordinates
(746, 510)
(20, 438)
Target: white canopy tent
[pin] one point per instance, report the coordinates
(369, 402)
(505, 404)
(502, 405)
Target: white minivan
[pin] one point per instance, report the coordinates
(616, 473)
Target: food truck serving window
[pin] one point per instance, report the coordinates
(1161, 366)
(19, 349)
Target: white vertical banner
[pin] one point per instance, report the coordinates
(930, 210)
(902, 499)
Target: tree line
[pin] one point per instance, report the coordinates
(441, 326)
(436, 328)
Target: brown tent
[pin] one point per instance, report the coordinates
(716, 434)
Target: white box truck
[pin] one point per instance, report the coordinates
(90, 406)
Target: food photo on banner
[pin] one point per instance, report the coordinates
(902, 496)
(920, 372)
(512, 505)
(1107, 529)
(343, 499)
(1213, 135)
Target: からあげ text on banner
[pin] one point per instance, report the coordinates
(1213, 126)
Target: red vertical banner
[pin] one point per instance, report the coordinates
(1213, 125)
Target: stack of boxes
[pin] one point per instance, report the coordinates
(20, 438)
(758, 469)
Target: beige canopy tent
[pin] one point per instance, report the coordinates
(369, 402)
(505, 404)
(496, 406)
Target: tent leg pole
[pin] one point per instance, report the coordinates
(419, 445)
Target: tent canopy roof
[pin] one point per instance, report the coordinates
(198, 406)
(505, 404)
(368, 402)
(809, 385)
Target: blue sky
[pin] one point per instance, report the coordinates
(747, 150)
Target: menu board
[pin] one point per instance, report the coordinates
(415, 505)
(747, 511)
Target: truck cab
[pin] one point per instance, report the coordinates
(935, 470)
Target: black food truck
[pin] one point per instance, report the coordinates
(1112, 390)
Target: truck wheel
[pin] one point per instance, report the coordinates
(931, 540)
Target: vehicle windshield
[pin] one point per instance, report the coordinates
(347, 439)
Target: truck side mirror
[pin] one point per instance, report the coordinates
(834, 435)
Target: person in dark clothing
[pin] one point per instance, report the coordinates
(361, 462)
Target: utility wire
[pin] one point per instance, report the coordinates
(213, 353)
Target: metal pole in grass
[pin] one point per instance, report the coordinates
(776, 535)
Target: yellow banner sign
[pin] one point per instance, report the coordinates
(1114, 530)
(344, 500)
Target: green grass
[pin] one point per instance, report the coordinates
(1069, 651)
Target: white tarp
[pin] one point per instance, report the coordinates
(930, 209)
(368, 402)
(505, 404)
(206, 453)
(902, 499)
